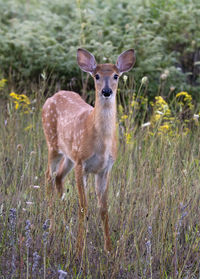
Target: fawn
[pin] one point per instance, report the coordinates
(84, 137)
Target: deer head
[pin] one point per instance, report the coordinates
(105, 76)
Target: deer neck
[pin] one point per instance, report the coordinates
(105, 118)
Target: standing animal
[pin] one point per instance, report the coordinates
(84, 137)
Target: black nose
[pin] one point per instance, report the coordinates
(106, 92)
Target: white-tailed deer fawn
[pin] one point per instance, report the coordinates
(81, 136)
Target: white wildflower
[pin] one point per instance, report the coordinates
(196, 116)
(146, 124)
(29, 203)
(36, 186)
(159, 112)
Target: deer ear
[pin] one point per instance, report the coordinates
(126, 60)
(86, 60)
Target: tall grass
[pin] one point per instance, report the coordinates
(153, 204)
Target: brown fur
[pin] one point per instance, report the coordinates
(84, 137)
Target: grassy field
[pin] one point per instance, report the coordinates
(154, 200)
(154, 190)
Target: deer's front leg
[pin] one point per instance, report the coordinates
(82, 211)
(101, 180)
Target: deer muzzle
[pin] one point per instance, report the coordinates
(107, 92)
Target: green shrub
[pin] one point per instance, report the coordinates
(44, 35)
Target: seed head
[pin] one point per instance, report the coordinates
(164, 75)
(144, 80)
(19, 147)
(172, 88)
(125, 77)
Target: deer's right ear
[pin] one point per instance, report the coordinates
(86, 61)
(126, 60)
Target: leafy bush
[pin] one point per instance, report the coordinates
(44, 35)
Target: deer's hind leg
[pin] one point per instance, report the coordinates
(54, 160)
(65, 166)
(54, 174)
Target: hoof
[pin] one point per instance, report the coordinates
(79, 251)
(108, 247)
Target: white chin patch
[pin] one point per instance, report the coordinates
(107, 97)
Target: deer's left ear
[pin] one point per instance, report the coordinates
(126, 60)
(86, 60)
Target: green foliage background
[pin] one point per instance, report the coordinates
(44, 35)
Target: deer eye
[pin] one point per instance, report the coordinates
(116, 76)
(97, 77)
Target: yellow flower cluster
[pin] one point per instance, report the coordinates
(185, 95)
(164, 128)
(167, 121)
(21, 101)
(184, 100)
(161, 106)
(138, 102)
(162, 117)
(137, 106)
(124, 117)
(128, 138)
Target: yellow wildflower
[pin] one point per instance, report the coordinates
(164, 127)
(21, 101)
(162, 116)
(185, 95)
(128, 137)
(134, 104)
(185, 99)
(124, 117)
(24, 99)
(144, 101)
(161, 106)
(16, 105)
(14, 96)
(28, 127)
(160, 100)
(157, 117)
(2, 83)
(186, 131)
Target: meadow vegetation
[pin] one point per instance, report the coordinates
(154, 200)
(153, 196)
